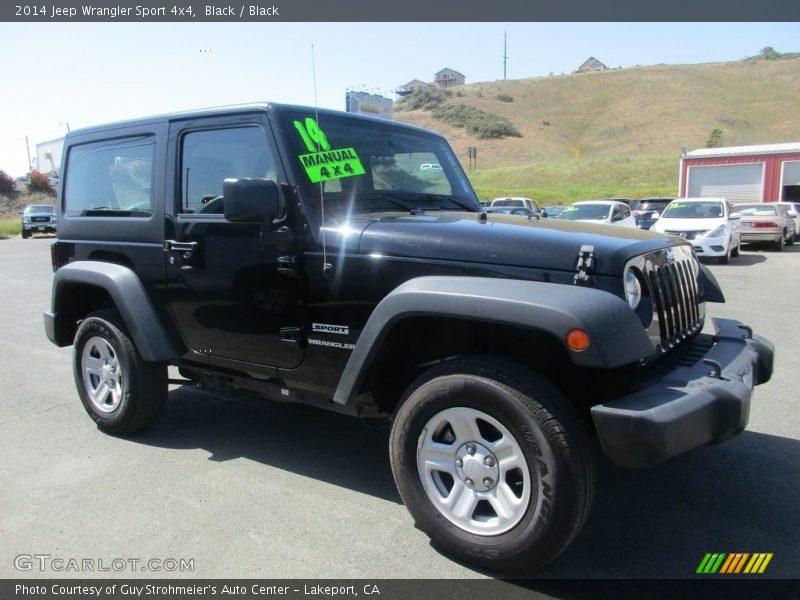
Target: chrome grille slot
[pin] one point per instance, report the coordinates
(677, 310)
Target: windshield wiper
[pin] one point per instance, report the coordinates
(387, 196)
(445, 198)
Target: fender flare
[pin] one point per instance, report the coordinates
(130, 299)
(616, 333)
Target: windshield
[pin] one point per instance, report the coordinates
(693, 210)
(43, 208)
(587, 212)
(362, 165)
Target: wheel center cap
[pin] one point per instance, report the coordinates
(476, 465)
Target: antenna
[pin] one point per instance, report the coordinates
(327, 268)
(505, 58)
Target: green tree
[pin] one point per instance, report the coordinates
(715, 139)
(40, 183)
(769, 53)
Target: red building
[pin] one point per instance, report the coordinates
(767, 173)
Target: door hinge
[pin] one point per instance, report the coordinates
(585, 267)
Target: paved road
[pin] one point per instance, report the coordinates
(267, 491)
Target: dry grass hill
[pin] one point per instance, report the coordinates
(621, 130)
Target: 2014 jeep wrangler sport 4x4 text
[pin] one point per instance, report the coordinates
(303, 255)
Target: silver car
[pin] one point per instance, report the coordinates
(766, 222)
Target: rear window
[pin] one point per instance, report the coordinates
(757, 209)
(112, 177)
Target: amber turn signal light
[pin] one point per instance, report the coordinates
(577, 340)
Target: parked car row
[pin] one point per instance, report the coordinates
(715, 227)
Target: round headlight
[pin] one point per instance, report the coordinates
(633, 289)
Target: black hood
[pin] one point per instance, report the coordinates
(500, 239)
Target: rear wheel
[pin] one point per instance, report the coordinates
(790, 238)
(492, 463)
(779, 243)
(122, 392)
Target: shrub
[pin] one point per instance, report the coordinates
(40, 183)
(479, 123)
(426, 98)
(714, 139)
(6, 183)
(505, 98)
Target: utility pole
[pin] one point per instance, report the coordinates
(505, 58)
(28, 147)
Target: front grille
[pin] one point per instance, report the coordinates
(40, 219)
(671, 277)
(688, 235)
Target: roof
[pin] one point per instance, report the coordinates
(590, 62)
(257, 107)
(744, 150)
(451, 70)
(414, 83)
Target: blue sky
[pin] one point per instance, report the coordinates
(84, 73)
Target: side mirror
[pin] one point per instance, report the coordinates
(736, 215)
(250, 199)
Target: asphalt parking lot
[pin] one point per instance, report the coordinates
(252, 490)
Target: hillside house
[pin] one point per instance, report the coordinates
(408, 88)
(591, 64)
(448, 78)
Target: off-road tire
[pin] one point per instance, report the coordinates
(104, 355)
(499, 397)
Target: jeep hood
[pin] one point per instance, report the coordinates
(510, 240)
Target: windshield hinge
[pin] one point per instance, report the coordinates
(585, 266)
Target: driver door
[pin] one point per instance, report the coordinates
(229, 301)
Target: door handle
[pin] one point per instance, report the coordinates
(185, 248)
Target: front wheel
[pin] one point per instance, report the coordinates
(492, 463)
(122, 392)
(737, 250)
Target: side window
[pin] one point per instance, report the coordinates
(110, 177)
(626, 212)
(209, 157)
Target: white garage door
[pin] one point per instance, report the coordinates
(737, 183)
(791, 173)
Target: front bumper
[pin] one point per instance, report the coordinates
(710, 247)
(690, 406)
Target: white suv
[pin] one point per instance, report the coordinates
(710, 224)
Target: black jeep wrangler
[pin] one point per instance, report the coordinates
(305, 256)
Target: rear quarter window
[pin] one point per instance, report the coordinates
(110, 178)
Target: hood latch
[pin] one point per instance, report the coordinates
(586, 264)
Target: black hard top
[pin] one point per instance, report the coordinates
(238, 109)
